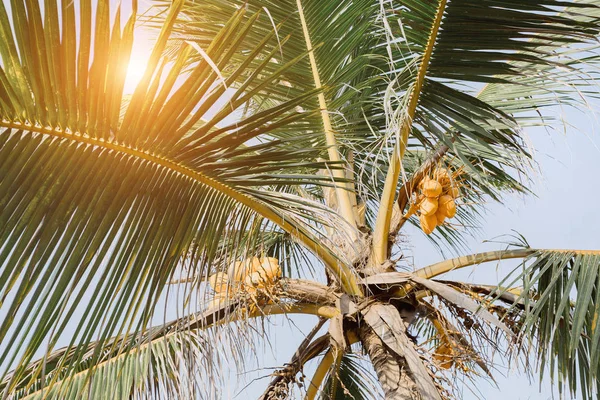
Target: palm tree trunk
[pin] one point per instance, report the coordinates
(392, 370)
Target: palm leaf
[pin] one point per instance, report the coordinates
(345, 35)
(177, 358)
(560, 313)
(436, 95)
(555, 310)
(156, 360)
(166, 367)
(352, 381)
(102, 202)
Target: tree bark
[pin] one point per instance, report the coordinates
(392, 370)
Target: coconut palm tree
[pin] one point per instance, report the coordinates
(267, 144)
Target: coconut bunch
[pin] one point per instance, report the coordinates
(450, 353)
(245, 277)
(444, 354)
(436, 199)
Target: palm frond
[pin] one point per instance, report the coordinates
(163, 360)
(353, 381)
(552, 304)
(560, 307)
(167, 367)
(346, 36)
(95, 200)
(175, 359)
(525, 51)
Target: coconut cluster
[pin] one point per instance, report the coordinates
(245, 277)
(436, 200)
(444, 354)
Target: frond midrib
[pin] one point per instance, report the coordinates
(311, 243)
(384, 215)
(322, 311)
(445, 266)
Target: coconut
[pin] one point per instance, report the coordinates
(428, 223)
(429, 205)
(432, 188)
(447, 206)
(219, 282)
(237, 271)
(254, 280)
(454, 192)
(440, 216)
(269, 269)
(254, 263)
(442, 176)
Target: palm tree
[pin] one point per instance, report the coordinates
(267, 143)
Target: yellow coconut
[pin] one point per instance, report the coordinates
(254, 279)
(447, 206)
(454, 192)
(429, 205)
(428, 223)
(219, 282)
(440, 216)
(237, 271)
(269, 269)
(253, 282)
(254, 263)
(441, 175)
(444, 355)
(432, 188)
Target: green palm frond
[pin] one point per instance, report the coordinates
(155, 360)
(175, 359)
(340, 31)
(166, 367)
(560, 308)
(485, 60)
(166, 360)
(346, 36)
(95, 200)
(352, 381)
(552, 303)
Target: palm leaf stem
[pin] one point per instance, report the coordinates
(384, 215)
(347, 277)
(325, 365)
(442, 267)
(342, 190)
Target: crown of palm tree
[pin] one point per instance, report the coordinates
(269, 141)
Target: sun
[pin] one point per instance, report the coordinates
(138, 60)
(135, 71)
